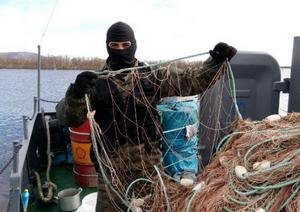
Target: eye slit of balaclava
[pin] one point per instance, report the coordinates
(118, 59)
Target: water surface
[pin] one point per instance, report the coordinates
(17, 90)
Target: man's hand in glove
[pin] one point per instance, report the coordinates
(222, 51)
(84, 82)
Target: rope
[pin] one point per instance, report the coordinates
(113, 73)
(48, 149)
(132, 183)
(287, 136)
(188, 208)
(50, 185)
(84, 175)
(281, 164)
(164, 188)
(78, 133)
(228, 137)
(11, 159)
(6, 165)
(227, 209)
(49, 101)
(51, 188)
(180, 128)
(277, 185)
(96, 151)
(233, 90)
(291, 197)
(237, 201)
(48, 22)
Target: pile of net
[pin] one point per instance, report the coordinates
(257, 168)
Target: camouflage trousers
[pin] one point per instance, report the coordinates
(130, 162)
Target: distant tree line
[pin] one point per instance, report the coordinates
(70, 63)
(53, 62)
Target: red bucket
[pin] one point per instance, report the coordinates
(81, 133)
(85, 175)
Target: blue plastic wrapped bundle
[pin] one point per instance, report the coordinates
(179, 146)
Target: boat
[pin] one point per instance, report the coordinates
(257, 89)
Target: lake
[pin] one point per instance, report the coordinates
(17, 90)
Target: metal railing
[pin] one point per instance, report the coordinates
(19, 160)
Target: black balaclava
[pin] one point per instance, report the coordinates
(124, 58)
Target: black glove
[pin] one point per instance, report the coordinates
(222, 51)
(84, 82)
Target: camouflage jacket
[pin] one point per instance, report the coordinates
(125, 102)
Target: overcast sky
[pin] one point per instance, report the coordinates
(164, 29)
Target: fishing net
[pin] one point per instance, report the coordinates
(257, 168)
(132, 170)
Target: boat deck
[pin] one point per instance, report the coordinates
(64, 178)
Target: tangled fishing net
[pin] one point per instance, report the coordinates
(258, 169)
(257, 165)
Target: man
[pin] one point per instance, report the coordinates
(125, 106)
